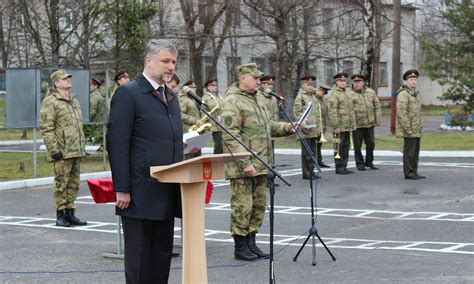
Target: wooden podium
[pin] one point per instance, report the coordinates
(193, 175)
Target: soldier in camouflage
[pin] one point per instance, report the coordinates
(189, 114)
(120, 78)
(342, 117)
(267, 84)
(368, 114)
(409, 124)
(246, 118)
(212, 98)
(97, 113)
(61, 129)
(321, 92)
(189, 110)
(313, 127)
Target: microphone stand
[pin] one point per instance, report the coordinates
(271, 178)
(311, 161)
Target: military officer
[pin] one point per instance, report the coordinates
(313, 127)
(96, 102)
(409, 124)
(341, 115)
(121, 78)
(189, 111)
(61, 129)
(212, 98)
(321, 92)
(245, 117)
(368, 114)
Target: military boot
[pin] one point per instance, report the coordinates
(61, 219)
(253, 246)
(242, 250)
(73, 219)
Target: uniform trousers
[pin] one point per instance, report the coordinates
(66, 182)
(365, 135)
(341, 163)
(411, 153)
(147, 246)
(248, 200)
(305, 155)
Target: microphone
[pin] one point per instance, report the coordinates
(190, 93)
(273, 94)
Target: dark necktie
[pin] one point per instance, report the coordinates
(161, 91)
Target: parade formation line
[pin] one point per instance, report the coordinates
(280, 240)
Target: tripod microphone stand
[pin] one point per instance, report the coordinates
(311, 162)
(271, 178)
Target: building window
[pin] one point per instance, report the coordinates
(206, 67)
(329, 71)
(327, 21)
(236, 16)
(348, 67)
(383, 76)
(232, 62)
(260, 61)
(202, 11)
(66, 21)
(346, 24)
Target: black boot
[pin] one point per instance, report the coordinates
(61, 219)
(73, 219)
(242, 250)
(253, 246)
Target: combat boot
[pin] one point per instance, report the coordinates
(73, 219)
(61, 220)
(242, 250)
(253, 246)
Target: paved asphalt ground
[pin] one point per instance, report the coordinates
(380, 227)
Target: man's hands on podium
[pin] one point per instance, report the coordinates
(123, 200)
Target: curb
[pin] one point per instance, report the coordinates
(18, 184)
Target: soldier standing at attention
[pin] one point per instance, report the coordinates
(189, 110)
(341, 115)
(320, 93)
(409, 124)
(267, 84)
(212, 98)
(96, 102)
(61, 128)
(313, 126)
(368, 114)
(121, 78)
(250, 122)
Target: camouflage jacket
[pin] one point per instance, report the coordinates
(97, 108)
(270, 102)
(189, 111)
(61, 126)
(314, 120)
(213, 101)
(341, 111)
(246, 118)
(368, 111)
(409, 123)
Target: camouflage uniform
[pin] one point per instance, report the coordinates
(97, 115)
(368, 114)
(271, 103)
(189, 111)
(245, 117)
(61, 129)
(215, 100)
(311, 135)
(409, 127)
(341, 115)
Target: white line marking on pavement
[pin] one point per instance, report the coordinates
(283, 240)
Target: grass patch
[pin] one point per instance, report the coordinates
(10, 164)
(429, 142)
(430, 110)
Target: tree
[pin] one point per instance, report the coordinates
(449, 59)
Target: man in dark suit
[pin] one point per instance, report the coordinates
(144, 130)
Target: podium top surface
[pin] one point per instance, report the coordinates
(190, 170)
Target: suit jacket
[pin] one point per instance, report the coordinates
(145, 131)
